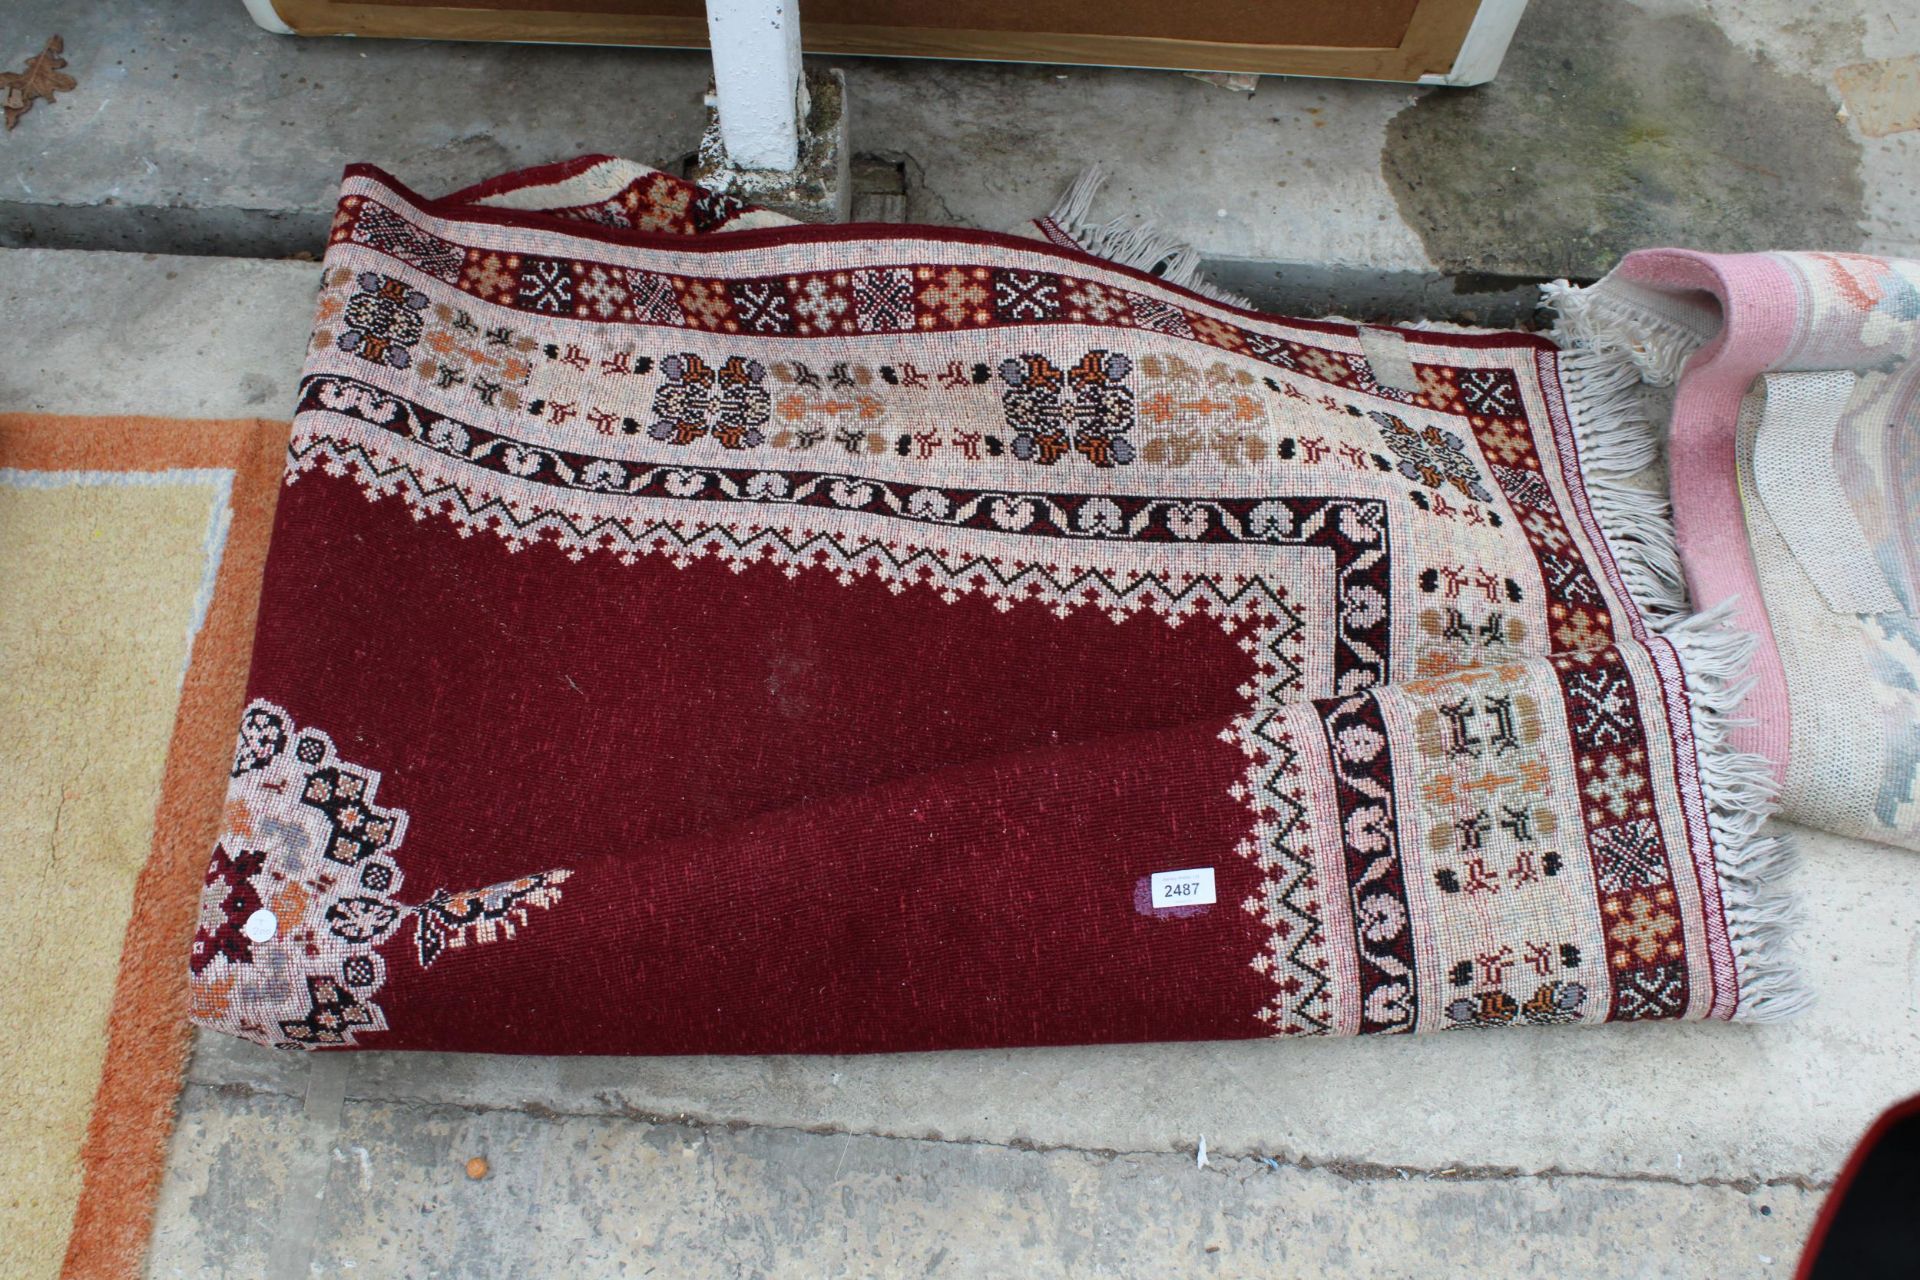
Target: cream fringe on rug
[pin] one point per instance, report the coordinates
(1612, 350)
(1132, 242)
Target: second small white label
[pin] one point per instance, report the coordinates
(1192, 888)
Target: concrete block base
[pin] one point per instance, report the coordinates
(821, 189)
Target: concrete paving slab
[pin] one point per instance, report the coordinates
(195, 131)
(599, 1196)
(169, 336)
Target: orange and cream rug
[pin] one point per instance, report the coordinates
(130, 559)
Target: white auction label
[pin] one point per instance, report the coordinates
(1192, 888)
(261, 925)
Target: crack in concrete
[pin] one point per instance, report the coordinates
(1343, 1168)
(924, 204)
(298, 231)
(193, 230)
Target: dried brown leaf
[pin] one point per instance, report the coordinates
(42, 79)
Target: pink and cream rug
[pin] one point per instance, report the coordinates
(1795, 460)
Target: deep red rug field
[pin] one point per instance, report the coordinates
(684, 638)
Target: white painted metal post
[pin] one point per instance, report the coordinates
(756, 77)
(1486, 44)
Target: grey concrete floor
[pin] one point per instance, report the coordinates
(1614, 125)
(1643, 1151)
(1672, 1151)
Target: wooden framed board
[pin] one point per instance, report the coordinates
(1429, 41)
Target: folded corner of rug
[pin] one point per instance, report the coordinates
(1617, 339)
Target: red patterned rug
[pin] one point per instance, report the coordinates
(688, 634)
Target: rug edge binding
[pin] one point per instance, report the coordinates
(1610, 350)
